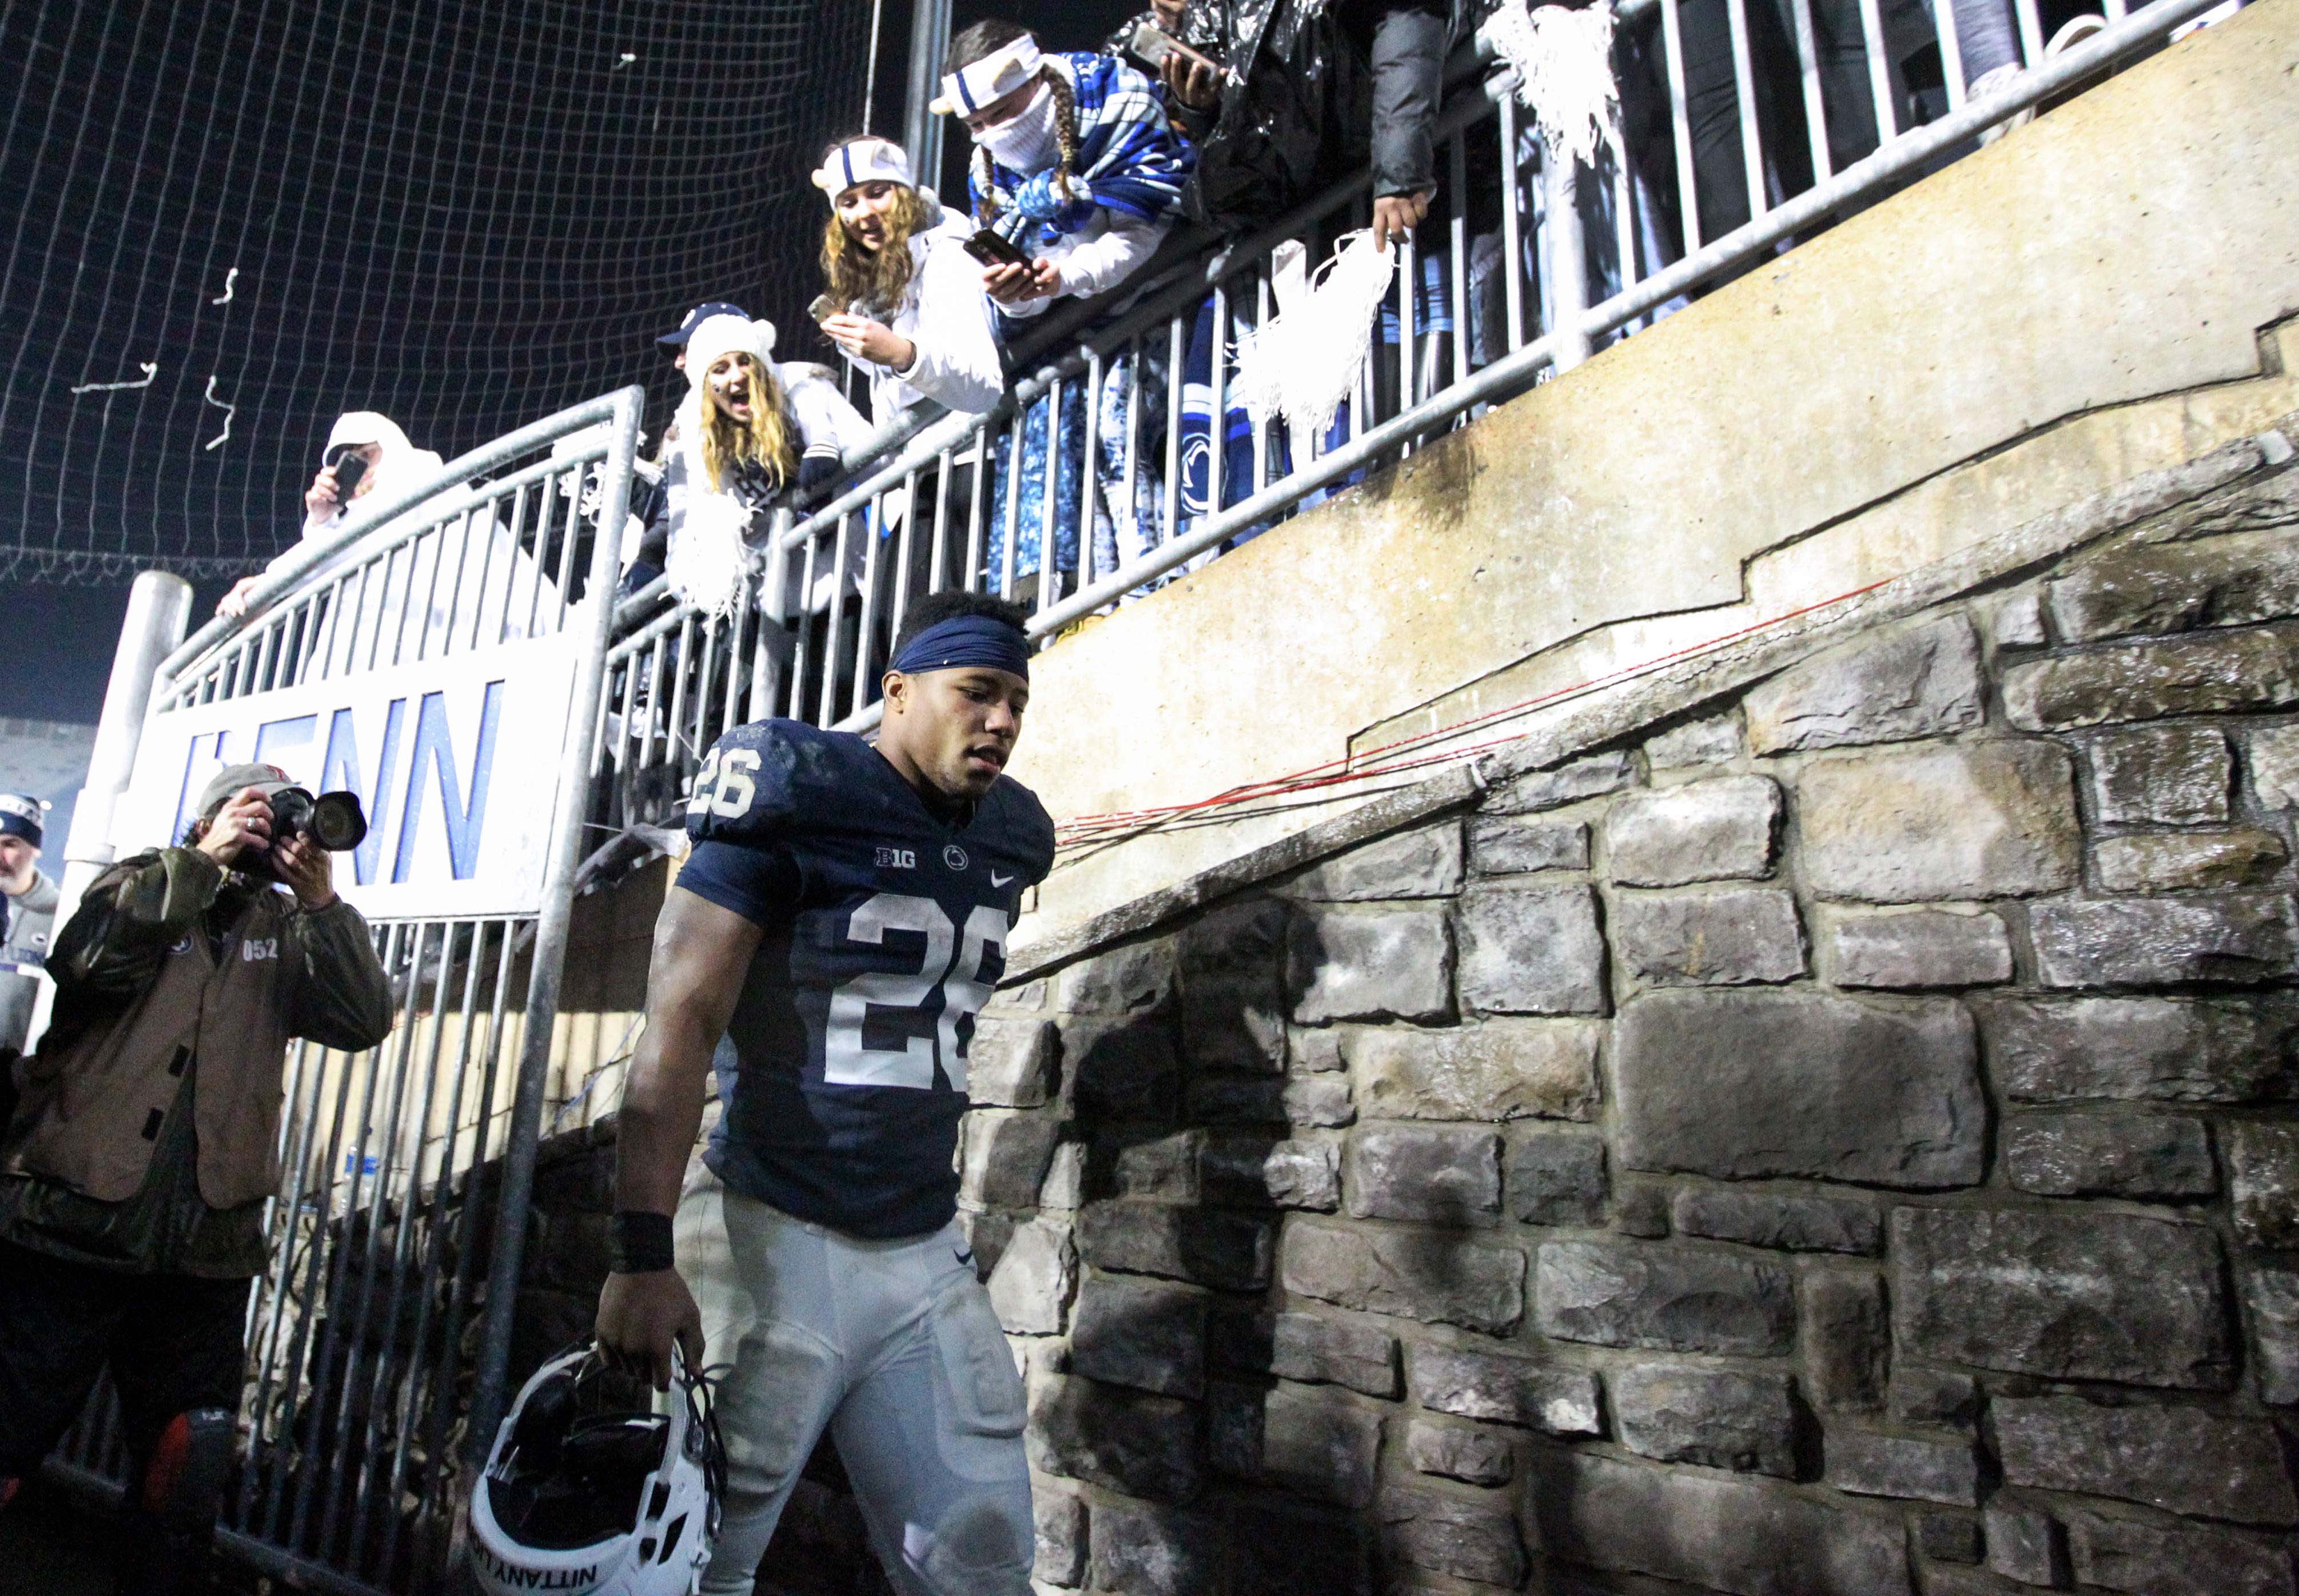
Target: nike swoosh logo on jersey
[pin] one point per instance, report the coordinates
(999, 880)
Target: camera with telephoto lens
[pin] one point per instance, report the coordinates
(333, 820)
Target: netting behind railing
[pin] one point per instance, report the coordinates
(232, 223)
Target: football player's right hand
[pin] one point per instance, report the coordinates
(639, 1318)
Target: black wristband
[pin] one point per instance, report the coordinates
(639, 1241)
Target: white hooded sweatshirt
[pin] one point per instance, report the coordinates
(946, 318)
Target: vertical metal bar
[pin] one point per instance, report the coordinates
(1815, 110)
(1565, 259)
(1089, 470)
(938, 552)
(1136, 353)
(1176, 379)
(745, 616)
(681, 665)
(1744, 90)
(1951, 47)
(486, 577)
(1260, 431)
(2031, 31)
(1049, 575)
(831, 616)
(1021, 429)
(705, 668)
(774, 627)
(1681, 120)
(569, 508)
(1218, 409)
(913, 513)
(1459, 238)
(1879, 73)
(874, 538)
(1409, 280)
(796, 709)
(1512, 222)
(551, 938)
(977, 490)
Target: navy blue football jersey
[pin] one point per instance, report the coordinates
(886, 933)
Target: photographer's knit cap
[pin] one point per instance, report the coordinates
(21, 816)
(265, 779)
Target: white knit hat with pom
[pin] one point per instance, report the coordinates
(726, 335)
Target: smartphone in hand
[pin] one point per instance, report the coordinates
(350, 467)
(1150, 46)
(822, 307)
(993, 249)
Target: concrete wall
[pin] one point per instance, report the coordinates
(2076, 304)
(1835, 1140)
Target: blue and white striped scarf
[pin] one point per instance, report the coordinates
(1129, 158)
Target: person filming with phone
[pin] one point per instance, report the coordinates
(1077, 171)
(134, 1176)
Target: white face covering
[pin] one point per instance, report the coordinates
(1024, 143)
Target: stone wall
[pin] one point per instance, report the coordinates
(1836, 1142)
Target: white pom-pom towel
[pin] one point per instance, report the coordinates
(1564, 62)
(707, 559)
(1304, 361)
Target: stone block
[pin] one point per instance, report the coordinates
(1968, 820)
(2263, 1180)
(1848, 1339)
(2182, 1460)
(1641, 1208)
(1318, 1442)
(1745, 1536)
(1868, 1463)
(1137, 1164)
(1135, 978)
(2153, 1560)
(1004, 1156)
(1424, 1174)
(1437, 1279)
(2017, 620)
(1556, 1178)
(1948, 1538)
(1281, 1546)
(1235, 1100)
(1121, 1069)
(1061, 1525)
(1734, 938)
(1232, 966)
(2187, 861)
(1715, 1417)
(2160, 1049)
(1458, 1452)
(1469, 1538)
(1128, 1441)
(1229, 1251)
(2025, 1545)
(2271, 1292)
(1506, 1389)
(2243, 937)
(1747, 1085)
(1418, 863)
(1627, 1293)
(1507, 844)
(1319, 1100)
(987, 1234)
(1313, 1347)
(1148, 1551)
(2225, 673)
(1260, 1171)
(1933, 1396)
(1496, 1071)
(1147, 1334)
(1064, 1186)
(1317, 1052)
(1371, 964)
(1708, 830)
(1921, 679)
(1030, 1287)
(1531, 950)
(2161, 775)
(1919, 947)
(2109, 1155)
(1793, 1224)
(2274, 756)
(2064, 1296)
(1595, 776)
(1305, 1172)
(2229, 580)
(1711, 741)
(1013, 1063)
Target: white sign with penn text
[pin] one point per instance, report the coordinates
(455, 761)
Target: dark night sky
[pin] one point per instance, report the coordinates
(465, 213)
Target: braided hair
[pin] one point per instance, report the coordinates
(982, 39)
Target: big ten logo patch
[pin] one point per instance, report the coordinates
(259, 947)
(897, 859)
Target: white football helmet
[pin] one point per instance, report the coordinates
(588, 1492)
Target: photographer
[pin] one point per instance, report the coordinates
(134, 1176)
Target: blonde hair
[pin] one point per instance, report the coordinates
(1065, 147)
(766, 442)
(878, 280)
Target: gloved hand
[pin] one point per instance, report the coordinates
(1041, 200)
(815, 469)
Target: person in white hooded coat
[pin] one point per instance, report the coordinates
(497, 593)
(909, 306)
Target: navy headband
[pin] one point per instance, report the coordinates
(967, 640)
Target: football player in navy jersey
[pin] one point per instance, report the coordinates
(841, 920)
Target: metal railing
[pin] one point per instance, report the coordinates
(1762, 126)
(405, 1170)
